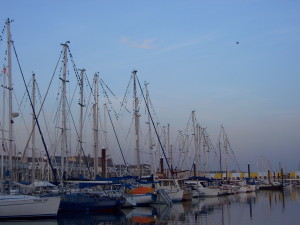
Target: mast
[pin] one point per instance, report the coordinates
(206, 151)
(4, 145)
(81, 120)
(195, 130)
(33, 129)
(96, 134)
(10, 116)
(105, 137)
(169, 147)
(63, 111)
(152, 159)
(136, 120)
(220, 160)
(226, 151)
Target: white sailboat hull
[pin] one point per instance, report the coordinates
(175, 195)
(140, 199)
(14, 206)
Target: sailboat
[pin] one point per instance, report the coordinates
(75, 198)
(24, 206)
(140, 194)
(19, 205)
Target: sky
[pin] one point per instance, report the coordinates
(235, 62)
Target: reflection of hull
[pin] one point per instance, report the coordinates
(141, 215)
(253, 187)
(175, 212)
(187, 195)
(139, 211)
(245, 197)
(17, 206)
(270, 187)
(115, 217)
(29, 222)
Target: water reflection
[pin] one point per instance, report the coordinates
(29, 222)
(141, 215)
(91, 218)
(260, 208)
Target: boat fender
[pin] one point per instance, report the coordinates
(128, 191)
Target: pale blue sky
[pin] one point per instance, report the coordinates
(187, 51)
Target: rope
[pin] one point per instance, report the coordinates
(35, 116)
(117, 140)
(26, 146)
(162, 148)
(84, 156)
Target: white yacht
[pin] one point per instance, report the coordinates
(172, 188)
(23, 206)
(200, 189)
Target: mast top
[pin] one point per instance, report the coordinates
(9, 21)
(66, 43)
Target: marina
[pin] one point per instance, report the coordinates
(80, 146)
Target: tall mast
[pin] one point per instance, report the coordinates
(10, 116)
(105, 126)
(206, 150)
(33, 129)
(169, 147)
(225, 150)
(64, 118)
(136, 120)
(152, 159)
(81, 119)
(4, 145)
(195, 130)
(200, 140)
(105, 137)
(96, 134)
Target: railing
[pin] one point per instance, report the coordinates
(164, 196)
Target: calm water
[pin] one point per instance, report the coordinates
(260, 208)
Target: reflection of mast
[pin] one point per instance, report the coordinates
(250, 203)
(222, 214)
(283, 201)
